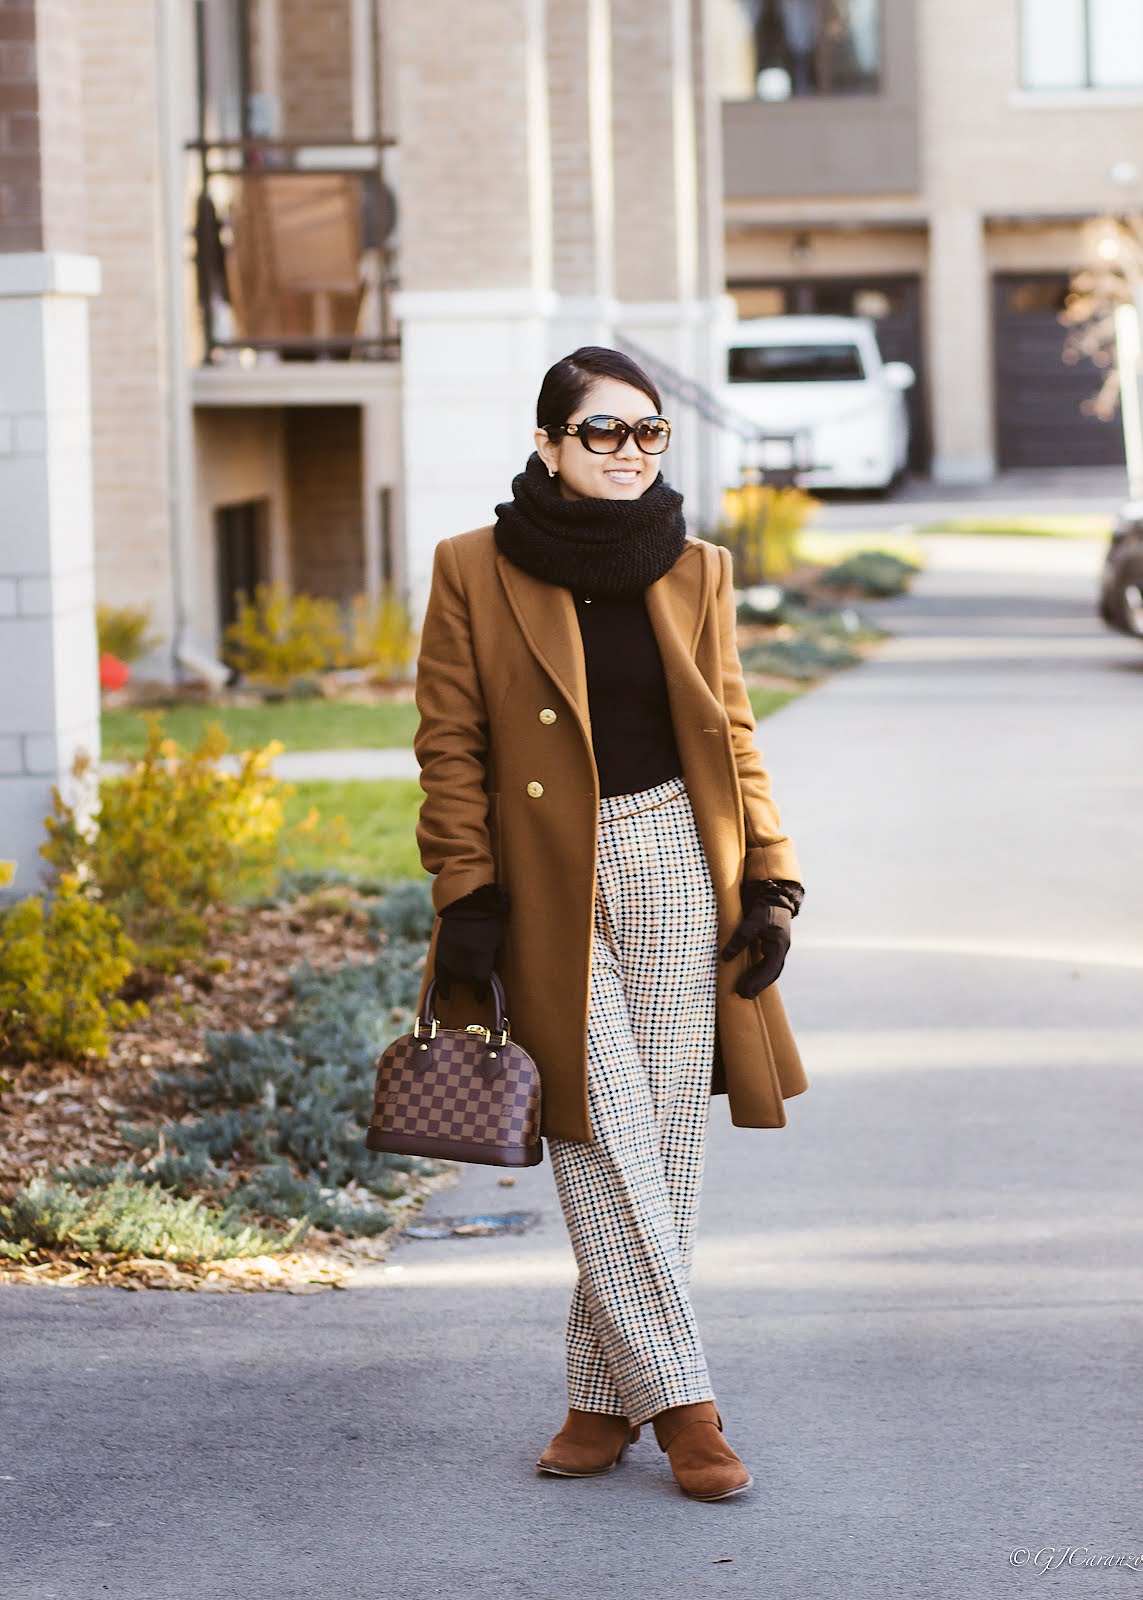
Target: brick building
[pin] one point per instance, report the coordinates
(936, 166)
(341, 246)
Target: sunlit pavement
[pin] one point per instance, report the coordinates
(1057, 492)
(921, 1300)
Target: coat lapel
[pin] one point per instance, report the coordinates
(547, 619)
(677, 606)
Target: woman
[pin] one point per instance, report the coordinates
(599, 824)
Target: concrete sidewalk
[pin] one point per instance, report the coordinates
(1055, 491)
(294, 766)
(921, 1300)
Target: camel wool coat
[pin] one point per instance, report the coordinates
(512, 796)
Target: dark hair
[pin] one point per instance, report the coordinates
(567, 383)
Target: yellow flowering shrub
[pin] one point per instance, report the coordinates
(760, 526)
(382, 637)
(62, 962)
(278, 636)
(176, 834)
(122, 631)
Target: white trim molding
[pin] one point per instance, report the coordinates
(49, 272)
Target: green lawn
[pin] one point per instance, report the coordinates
(826, 548)
(379, 818)
(1045, 526)
(765, 701)
(303, 725)
(299, 724)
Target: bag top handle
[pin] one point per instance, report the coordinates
(428, 1014)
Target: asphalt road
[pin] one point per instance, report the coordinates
(921, 1300)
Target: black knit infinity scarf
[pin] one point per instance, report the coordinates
(604, 546)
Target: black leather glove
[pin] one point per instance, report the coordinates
(768, 907)
(469, 940)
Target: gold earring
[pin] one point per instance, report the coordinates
(551, 472)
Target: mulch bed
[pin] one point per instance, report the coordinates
(56, 1115)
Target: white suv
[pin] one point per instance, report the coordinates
(826, 401)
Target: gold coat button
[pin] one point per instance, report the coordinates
(535, 789)
(547, 715)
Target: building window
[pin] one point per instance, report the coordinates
(240, 554)
(780, 49)
(1081, 44)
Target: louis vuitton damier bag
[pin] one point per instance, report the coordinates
(467, 1094)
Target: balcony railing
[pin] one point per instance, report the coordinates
(292, 251)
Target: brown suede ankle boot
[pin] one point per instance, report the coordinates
(588, 1444)
(704, 1465)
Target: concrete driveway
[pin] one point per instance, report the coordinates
(921, 1299)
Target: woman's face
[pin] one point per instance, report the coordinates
(583, 475)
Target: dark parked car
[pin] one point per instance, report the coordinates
(1121, 592)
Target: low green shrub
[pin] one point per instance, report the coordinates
(874, 572)
(816, 640)
(287, 1107)
(277, 1191)
(405, 912)
(63, 960)
(126, 1217)
(273, 1130)
(304, 1093)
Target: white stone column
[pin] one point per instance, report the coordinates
(476, 257)
(583, 176)
(49, 688)
(669, 219)
(473, 361)
(960, 348)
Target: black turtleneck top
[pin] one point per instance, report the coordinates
(631, 730)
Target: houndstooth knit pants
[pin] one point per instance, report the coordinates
(630, 1196)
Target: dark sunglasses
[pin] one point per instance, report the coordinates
(603, 436)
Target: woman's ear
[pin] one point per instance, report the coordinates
(547, 452)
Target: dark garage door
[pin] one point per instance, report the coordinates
(1039, 422)
(894, 304)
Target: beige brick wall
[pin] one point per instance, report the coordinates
(646, 255)
(41, 136)
(831, 253)
(461, 115)
(574, 266)
(1062, 247)
(315, 66)
(324, 480)
(58, 24)
(129, 384)
(988, 145)
(708, 148)
(20, 213)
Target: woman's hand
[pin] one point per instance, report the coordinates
(469, 940)
(769, 906)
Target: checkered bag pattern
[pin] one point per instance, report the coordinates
(456, 1095)
(630, 1197)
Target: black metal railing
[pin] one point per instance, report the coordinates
(292, 248)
